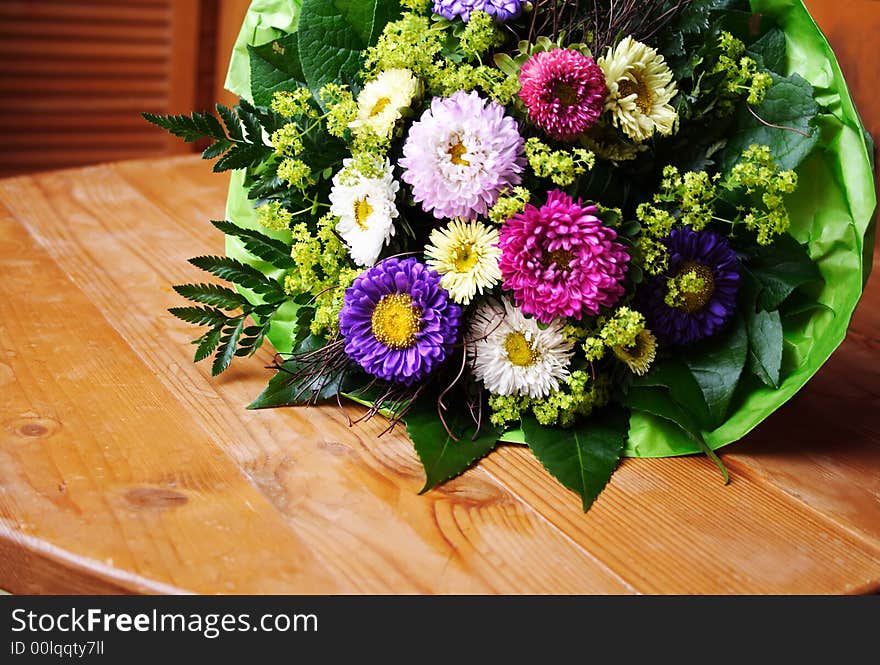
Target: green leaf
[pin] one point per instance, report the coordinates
(674, 375)
(332, 36)
(242, 155)
(228, 344)
(658, 402)
(765, 345)
(212, 294)
(443, 455)
(779, 269)
(239, 273)
(770, 51)
(188, 127)
(207, 343)
(717, 365)
(789, 104)
(200, 316)
(584, 457)
(230, 120)
(216, 149)
(275, 67)
(286, 388)
(263, 247)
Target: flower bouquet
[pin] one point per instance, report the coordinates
(597, 228)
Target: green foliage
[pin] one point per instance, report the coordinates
(789, 105)
(446, 454)
(675, 376)
(779, 269)
(212, 294)
(765, 345)
(584, 457)
(717, 365)
(263, 247)
(241, 274)
(275, 67)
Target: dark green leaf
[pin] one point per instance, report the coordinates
(789, 104)
(658, 402)
(275, 67)
(765, 345)
(239, 273)
(242, 155)
(288, 388)
(674, 375)
(717, 365)
(207, 343)
(212, 294)
(200, 316)
(332, 36)
(230, 120)
(779, 269)
(216, 149)
(228, 344)
(250, 118)
(584, 457)
(188, 127)
(263, 247)
(770, 52)
(444, 456)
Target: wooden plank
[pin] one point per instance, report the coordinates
(674, 509)
(341, 493)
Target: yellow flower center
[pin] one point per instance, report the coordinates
(379, 106)
(519, 351)
(456, 151)
(566, 94)
(396, 321)
(465, 257)
(362, 212)
(644, 94)
(694, 301)
(561, 257)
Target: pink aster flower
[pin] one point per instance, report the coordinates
(564, 91)
(461, 154)
(560, 260)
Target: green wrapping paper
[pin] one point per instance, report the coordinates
(833, 211)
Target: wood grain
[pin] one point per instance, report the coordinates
(795, 520)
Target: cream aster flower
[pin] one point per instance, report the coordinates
(383, 99)
(365, 206)
(466, 254)
(640, 87)
(512, 355)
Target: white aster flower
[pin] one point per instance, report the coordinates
(513, 355)
(640, 87)
(383, 100)
(466, 254)
(366, 208)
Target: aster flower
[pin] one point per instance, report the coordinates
(640, 355)
(365, 206)
(564, 92)
(707, 267)
(513, 355)
(466, 255)
(460, 156)
(381, 102)
(398, 322)
(640, 89)
(560, 260)
(500, 10)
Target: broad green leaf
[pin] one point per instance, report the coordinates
(674, 375)
(789, 104)
(228, 344)
(658, 402)
(212, 294)
(275, 67)
(765, 345)
(770, 51)
(445, 455)
(263, 247)
(779, 269)
(717, 365)
(332, 36)
(584, 457)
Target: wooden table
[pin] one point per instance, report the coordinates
(126, 468)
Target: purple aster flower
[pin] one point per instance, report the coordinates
(564, 91)
(398, 323)
(561, 260)
(500, 10)
(700, 313)
(460, 156)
